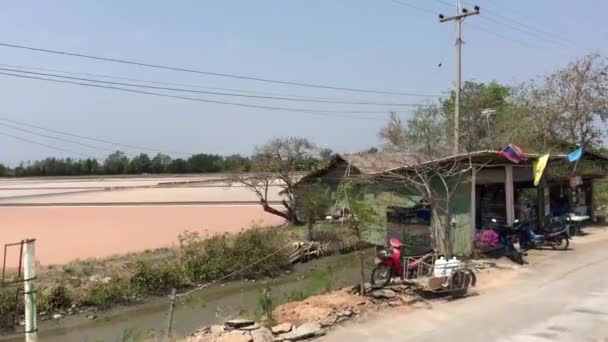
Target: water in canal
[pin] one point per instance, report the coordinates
(204, 307)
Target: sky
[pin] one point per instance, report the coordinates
(366, 44)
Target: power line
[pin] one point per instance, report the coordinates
(488, 31)
(553, 35)
(56, 138)
(503, 20)
(135, 147)
(184, 85)
(530, 33)
(416, 7)
(196, 86)
(158, 66)
(211, 93)
(45, 145)
(328, 113)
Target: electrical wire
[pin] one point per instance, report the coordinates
(57, 138)
(552, 35)
(166, 67)
(209, 92)
(135, 147)
(416, 7)
(246, 91)
(46, 145)
(327, 113)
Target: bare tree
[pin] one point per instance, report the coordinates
(564, 107)
(394, 134)
(435, 182)
(279, 163)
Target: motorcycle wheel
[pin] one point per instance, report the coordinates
(459, 284)
(561, 243)
(518, 257)
(381, 275)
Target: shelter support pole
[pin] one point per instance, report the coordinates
(473, 204)
(509, 195)
(29, 292)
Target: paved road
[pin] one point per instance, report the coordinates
(560, 298)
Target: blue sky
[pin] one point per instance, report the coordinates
(371, 44)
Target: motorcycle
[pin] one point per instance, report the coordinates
(389, 265)
(510, 239)
(556, 237)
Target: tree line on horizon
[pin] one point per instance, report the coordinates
(118, 163)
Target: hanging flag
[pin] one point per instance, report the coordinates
(539, 168)
(513, 153)
(575, 155)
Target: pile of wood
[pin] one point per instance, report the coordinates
(308, 250)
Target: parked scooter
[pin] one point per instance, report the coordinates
(558, 237)
(389, 265)
(510, 240)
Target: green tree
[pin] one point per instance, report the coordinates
(482, 108)
(426, 131)
(365, 218)
(315, 200)
(5, 171)
(139, 164)
(178, 165)
(116, 163)
(203, 163)
(160, 163)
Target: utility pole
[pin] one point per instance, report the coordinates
(461, 14)
(29, 292)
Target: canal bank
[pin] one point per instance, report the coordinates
(204, 307)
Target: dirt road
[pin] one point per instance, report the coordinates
(563, 296)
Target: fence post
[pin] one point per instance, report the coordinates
(171, 309)
(29, 293)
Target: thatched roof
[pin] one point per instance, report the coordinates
(373, 163)
(383, 162)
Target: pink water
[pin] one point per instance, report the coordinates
(66, 233)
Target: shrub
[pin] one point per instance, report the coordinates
(116, 291)
(156, 280)
(210, 259)
(266, 303)
(254, 244)
(54, 298)
(205, 260)
(298, 295)
(8, 306)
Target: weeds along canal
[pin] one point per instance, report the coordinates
(205, 307)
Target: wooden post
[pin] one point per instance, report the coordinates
(29, 294)
(171, 310)
(509, 196)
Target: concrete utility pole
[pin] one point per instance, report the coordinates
(29, 292)
(461, 14)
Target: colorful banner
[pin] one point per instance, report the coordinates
(539, 168)
(513, 153)
(575, 155)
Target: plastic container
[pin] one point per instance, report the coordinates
(439, 268)
(452, 265)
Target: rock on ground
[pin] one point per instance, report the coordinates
(262, 335)
(239, 323)
(282, 328)
(304, 331)
(235, 336)
(384, 294)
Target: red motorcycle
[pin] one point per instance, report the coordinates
(388, 264)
